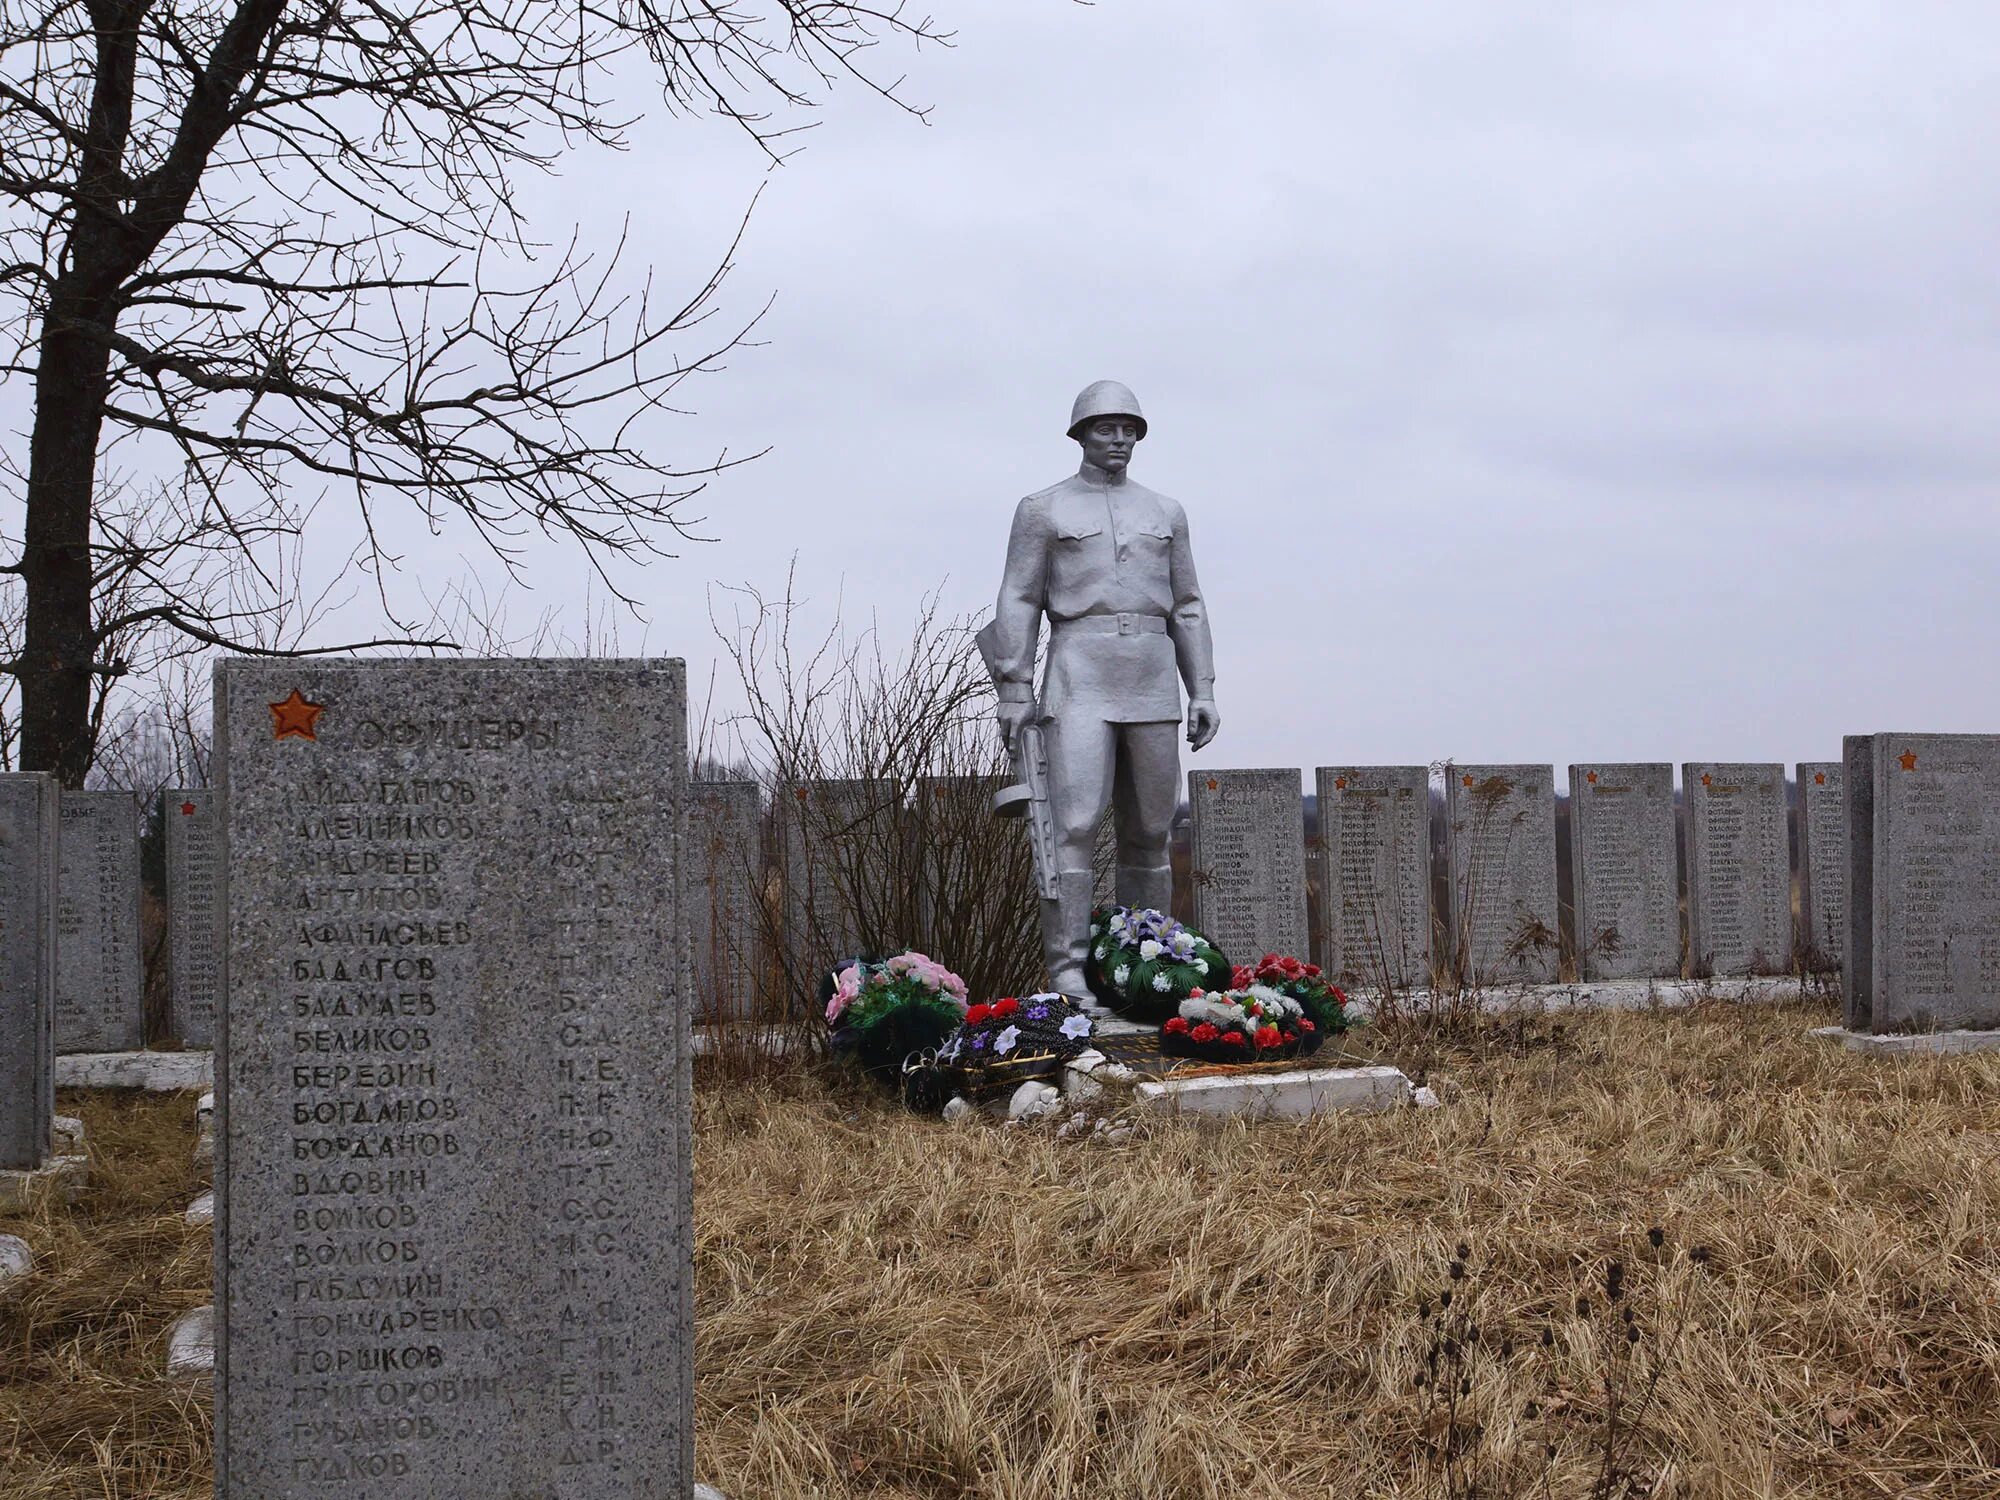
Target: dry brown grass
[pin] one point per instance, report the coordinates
(890, 1306)
(893, 1307)
(83, 1340)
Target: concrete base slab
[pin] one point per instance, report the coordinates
(769, 1040)
(158, 1072)
(16, 1259)
(63, 1176)
(1599, 994)
(191, 1345)
(1914, 1044)
(1294, 1095)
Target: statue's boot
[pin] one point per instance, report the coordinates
(1147, 886)
(1066, 937)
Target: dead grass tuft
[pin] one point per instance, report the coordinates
(894, 1307)
(84, 1411)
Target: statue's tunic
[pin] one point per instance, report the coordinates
(1110, 564)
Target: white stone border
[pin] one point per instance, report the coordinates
(1912, 1044)
(1295, 1095)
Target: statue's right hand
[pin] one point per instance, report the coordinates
(1013, 718)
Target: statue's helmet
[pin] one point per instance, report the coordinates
(1105, 398)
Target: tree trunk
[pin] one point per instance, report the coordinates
(71, 388)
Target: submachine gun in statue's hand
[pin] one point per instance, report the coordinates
(1028, 795)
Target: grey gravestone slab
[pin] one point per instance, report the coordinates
(835, 836)
(28, 819)
(194, 970)
(1739, 867)
(1934, 950)
(1822, 861)
(1857, 960)
(724, 884)
(100, 984)
(1375, 874)
(453, 1175)
(1500, 841)
(1623, 877)
(1248, 862)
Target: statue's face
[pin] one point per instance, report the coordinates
(1108, 442)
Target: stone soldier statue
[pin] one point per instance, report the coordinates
(1108, 561)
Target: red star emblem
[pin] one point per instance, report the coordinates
(1819, 778)
(1466, 780)
(1211, 783)
(1591, 777)
(187, 809)
(295, 718)
(1340, 783)
(1705, 781)
(1909, 760)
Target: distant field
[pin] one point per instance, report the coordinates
(892, 1306)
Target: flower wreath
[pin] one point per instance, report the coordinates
(1255, 1024)
(1325, 1004)
(1143, 963)
(880, 1012)
(999, 1046)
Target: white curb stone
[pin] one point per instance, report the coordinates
(1295, 1095)
(158, 1072)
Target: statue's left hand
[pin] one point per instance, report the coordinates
(1203, 721)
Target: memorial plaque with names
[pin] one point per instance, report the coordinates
(1857, 959)
(194, 969)
(1739, 867)
(454, 1207)
(1934, 950)
(1375, 875)
(1500, 840)
(28, 819)
(724, 883)
(835, 836)
(1822, 862)
(100, 982)
(1623, 876)
(1248, 862)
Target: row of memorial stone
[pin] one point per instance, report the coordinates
(1378, 917)
(90, 863)
(453, 1165)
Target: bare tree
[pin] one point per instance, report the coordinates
(275, 241)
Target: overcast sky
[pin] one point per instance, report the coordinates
(1543, 382)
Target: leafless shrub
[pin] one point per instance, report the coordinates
(879, 767)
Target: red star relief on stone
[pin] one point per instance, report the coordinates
(1705, 781)
(1465, 780)
(1591, 777)
(295, 718)
(1340, 783)
(1909, 760)
(187, 809)
(1212, 783)
(1819, 778)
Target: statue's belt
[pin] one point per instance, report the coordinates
(1114, 625)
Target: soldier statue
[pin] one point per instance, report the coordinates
(1108, 561)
